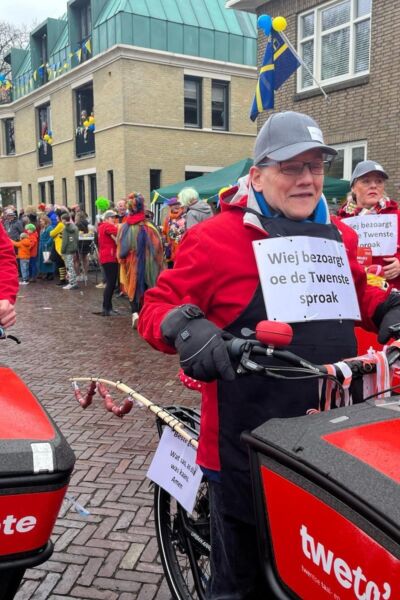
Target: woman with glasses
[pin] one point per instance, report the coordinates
(367, 210)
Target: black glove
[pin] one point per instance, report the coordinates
(386, 315)
(199, 343)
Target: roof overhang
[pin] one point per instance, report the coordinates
(246, 5)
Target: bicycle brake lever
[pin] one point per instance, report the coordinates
(246, 364)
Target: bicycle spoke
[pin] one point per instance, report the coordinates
(179, 534)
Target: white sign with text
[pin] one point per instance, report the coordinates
(378, 232)
(174, 468)
(306, 279)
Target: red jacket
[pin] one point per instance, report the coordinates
(8, 267)
(216, 270)
(391, 208)
(107, 246)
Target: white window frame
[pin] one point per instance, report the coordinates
(347, 155)
(317, 35)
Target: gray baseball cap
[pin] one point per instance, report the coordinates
(367, 166)
(287, 134)
(109, 213)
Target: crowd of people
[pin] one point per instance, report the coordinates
(56, 243)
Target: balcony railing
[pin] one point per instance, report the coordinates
(84, 142)
(45, 152)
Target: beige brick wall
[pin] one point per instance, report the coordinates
(172, 150)
(366, 112)
(139, 113)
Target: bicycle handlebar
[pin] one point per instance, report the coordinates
(247, 351)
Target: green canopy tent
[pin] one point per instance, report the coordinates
(335, 190)
(209, 185)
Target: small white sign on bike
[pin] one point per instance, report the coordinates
(174, 468)
(305, 278)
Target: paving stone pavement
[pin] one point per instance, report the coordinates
(112, 553)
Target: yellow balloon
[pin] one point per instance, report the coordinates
(50, 140)
(279, 23)
(46, 137)
(86, 123)
(91, 120)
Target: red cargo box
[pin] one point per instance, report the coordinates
(327, 496)
(35, 465)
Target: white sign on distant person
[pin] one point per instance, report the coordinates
(174, 468)
(306, 278)
(378, 232)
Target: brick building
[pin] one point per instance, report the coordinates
(118, 96)
(353, 48)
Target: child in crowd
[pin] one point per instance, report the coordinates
(70, 240)
(31, 230)
(24, 253)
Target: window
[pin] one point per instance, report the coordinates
(85, 31)
(80, 183)
(334, 42)
(155, 183)
(155, 179)
(42, 192)
(192, 101)
(9, 136)
(51, 191)
(192, 174)
(44, 133)
(93, 195)
(349, 155)
(43, 58)
(29, 193)
(110, 181)
(219, 105)
(84, 135)
(64, 191)
(85, 21)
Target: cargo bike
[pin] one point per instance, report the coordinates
(35, 466)
(325, 486)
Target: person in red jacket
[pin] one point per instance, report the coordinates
(367, 199)
(107, 233)
(8, 280)
(262, 256)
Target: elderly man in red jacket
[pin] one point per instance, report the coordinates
(265, 255)
(8, 280)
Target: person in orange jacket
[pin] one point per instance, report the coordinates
(24, 253)
(31, 230)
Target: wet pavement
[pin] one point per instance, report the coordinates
(111, 553)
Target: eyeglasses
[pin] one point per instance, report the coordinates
(296, 167)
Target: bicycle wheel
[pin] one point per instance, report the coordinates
(184, 543)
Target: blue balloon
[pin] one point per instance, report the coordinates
(50, 133)
(265, 22)
(2, 77)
